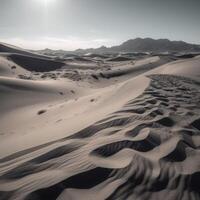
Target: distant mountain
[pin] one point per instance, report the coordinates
(139, 45)
(146, 45)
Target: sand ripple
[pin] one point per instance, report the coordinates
(149, 149)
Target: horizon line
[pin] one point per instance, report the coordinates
(103, 45)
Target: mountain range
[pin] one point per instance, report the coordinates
(134, 45)
(145, 45)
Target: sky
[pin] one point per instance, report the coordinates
(73, 24)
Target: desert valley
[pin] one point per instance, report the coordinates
(108, 123)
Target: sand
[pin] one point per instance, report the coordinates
(97, 127)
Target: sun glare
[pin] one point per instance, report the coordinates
(48, 1)
(45, 2)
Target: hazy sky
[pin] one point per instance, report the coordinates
(70, 24)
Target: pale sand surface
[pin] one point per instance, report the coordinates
(85, 129)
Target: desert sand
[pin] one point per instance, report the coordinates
(98, 127)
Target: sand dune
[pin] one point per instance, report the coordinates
(10, 69)
(35, 64)
(122, 130)
(6, 48)
(119, 58)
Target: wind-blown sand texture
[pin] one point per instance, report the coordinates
(100, 128)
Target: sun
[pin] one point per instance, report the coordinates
(46, 2)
